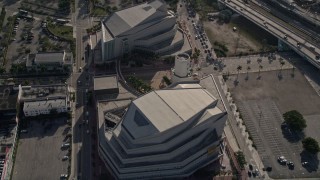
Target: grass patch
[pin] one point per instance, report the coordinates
(99, 11)
(173, 4)
(65, 32)
(205, 6)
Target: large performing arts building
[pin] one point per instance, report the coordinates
(168, 133)
(148, 27)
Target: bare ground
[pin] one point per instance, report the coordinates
(247, 39)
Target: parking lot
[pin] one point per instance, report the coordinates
(40, 150)
(262, 102)
(30, 37)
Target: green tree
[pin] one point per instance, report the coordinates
(166, 80)
(311, 145)
(2, 70)
(241, 159)
(259, 60)
(114, 8)
(282, 63)
(295, 120)
(225, 15)
(260, 67)
(248, 69)
(239, 69)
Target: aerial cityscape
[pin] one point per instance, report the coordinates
(159, 89)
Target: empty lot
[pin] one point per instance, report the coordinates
(262, 103)
(39, 154)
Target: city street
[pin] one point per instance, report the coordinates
(193, 28)
(80, 81)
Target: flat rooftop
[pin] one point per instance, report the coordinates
(44, 104)
(52, 91)
(105, 82)
(49, 57)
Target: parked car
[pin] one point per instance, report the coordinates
(290, 165)
(282, 160)
(304, 163)
(65, 158)
(65, 145)
(64, 176)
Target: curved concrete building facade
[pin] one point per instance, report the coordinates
(148, 27)
(164, 134)
(182, 65)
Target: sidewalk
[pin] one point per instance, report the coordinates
(73, 152)
(236, 134)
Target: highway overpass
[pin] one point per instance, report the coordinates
(299, 40)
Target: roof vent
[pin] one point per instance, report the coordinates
(147, 8)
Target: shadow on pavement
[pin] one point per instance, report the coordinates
(312, 159)
(291, 136)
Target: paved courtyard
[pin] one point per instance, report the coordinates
(39, 153)
(262, 102)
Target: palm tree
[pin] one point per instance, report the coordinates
(259, 60)
(282, 63)
(248, 69)
(239, 69)
(260, 67)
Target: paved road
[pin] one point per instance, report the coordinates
(188, 21)
(277, 28)
(82, 146)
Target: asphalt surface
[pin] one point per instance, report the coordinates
(39, 151)
(262, 102)
(82, 145)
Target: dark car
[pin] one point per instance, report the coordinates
(290, 165)
(250, 167)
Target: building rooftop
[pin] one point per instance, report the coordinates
(164, 109)
(49, 57)
(44, 104)
(8, 98)
(41, 91)
(121, 21)
(105, 82)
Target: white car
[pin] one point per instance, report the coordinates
(64, 176)
(65, 158)
(65, 145)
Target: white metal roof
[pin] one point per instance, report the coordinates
(168, 108)
(49, 57)
(122, 21)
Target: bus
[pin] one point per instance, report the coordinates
(23, 12)
(62, 21)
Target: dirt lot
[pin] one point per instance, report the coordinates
(247, 38)
(262, 102)
(157, 80)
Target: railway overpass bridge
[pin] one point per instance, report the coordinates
(303, 42)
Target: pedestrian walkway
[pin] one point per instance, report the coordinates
(236, 132)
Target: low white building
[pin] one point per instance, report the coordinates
(164, 134)
(49, 61)
(46, 106)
